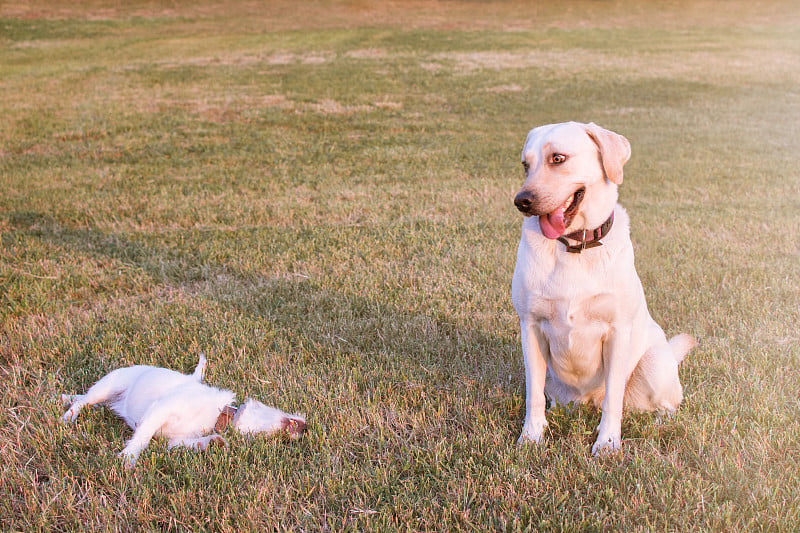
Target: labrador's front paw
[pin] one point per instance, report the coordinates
(532, 431)
(607, 444)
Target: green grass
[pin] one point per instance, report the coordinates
(318, 197)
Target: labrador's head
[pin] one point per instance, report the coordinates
(572, 171)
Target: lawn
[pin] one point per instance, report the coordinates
(318, 196)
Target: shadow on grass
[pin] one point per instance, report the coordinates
(330, 330)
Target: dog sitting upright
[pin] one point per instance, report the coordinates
(587, 335)
(157, 401)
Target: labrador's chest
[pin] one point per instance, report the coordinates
(575, 330)
(573, 300)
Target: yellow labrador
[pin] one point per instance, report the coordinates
(587, 335)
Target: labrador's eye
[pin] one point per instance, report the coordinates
(559, 158)
(526, 166)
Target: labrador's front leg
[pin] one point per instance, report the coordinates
(616, 351)
(534, 348)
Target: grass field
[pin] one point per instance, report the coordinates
(318, 196)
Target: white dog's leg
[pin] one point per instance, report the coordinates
(198, 443)
(110, 386)
(69, 399)
(152, 422)
(533, 345)
(615, 356)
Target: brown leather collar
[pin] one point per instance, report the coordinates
(224, 419)
(587, 238)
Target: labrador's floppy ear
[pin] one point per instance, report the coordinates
(615, 150)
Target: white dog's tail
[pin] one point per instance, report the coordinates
(681, 345)
(200, 368)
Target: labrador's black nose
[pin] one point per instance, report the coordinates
(524, 201)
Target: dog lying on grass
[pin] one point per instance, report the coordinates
(157, 401)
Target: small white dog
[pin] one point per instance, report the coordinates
(587, 335)
(157, 401)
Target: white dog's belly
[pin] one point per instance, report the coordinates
(190, 417)
(148, 386)
(179, 393)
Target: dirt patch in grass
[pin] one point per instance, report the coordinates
(704, 66)
(367, 53)
(247, 57)
(222, 109)
(500, 89)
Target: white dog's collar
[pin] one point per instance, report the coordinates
(225, 418)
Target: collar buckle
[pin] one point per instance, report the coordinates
(580, 236)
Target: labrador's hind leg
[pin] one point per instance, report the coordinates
(654, 384)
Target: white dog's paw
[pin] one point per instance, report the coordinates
(75, 404)
(203, 443)
(128, 460)
(129, 455)
(215, 441)
(607, 444)
(532, 431)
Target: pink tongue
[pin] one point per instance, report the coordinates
(552, 224)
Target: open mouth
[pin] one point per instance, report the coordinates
(555, 223)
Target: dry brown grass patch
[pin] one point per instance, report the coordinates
(515, 15)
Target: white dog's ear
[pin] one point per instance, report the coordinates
(615, 150)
